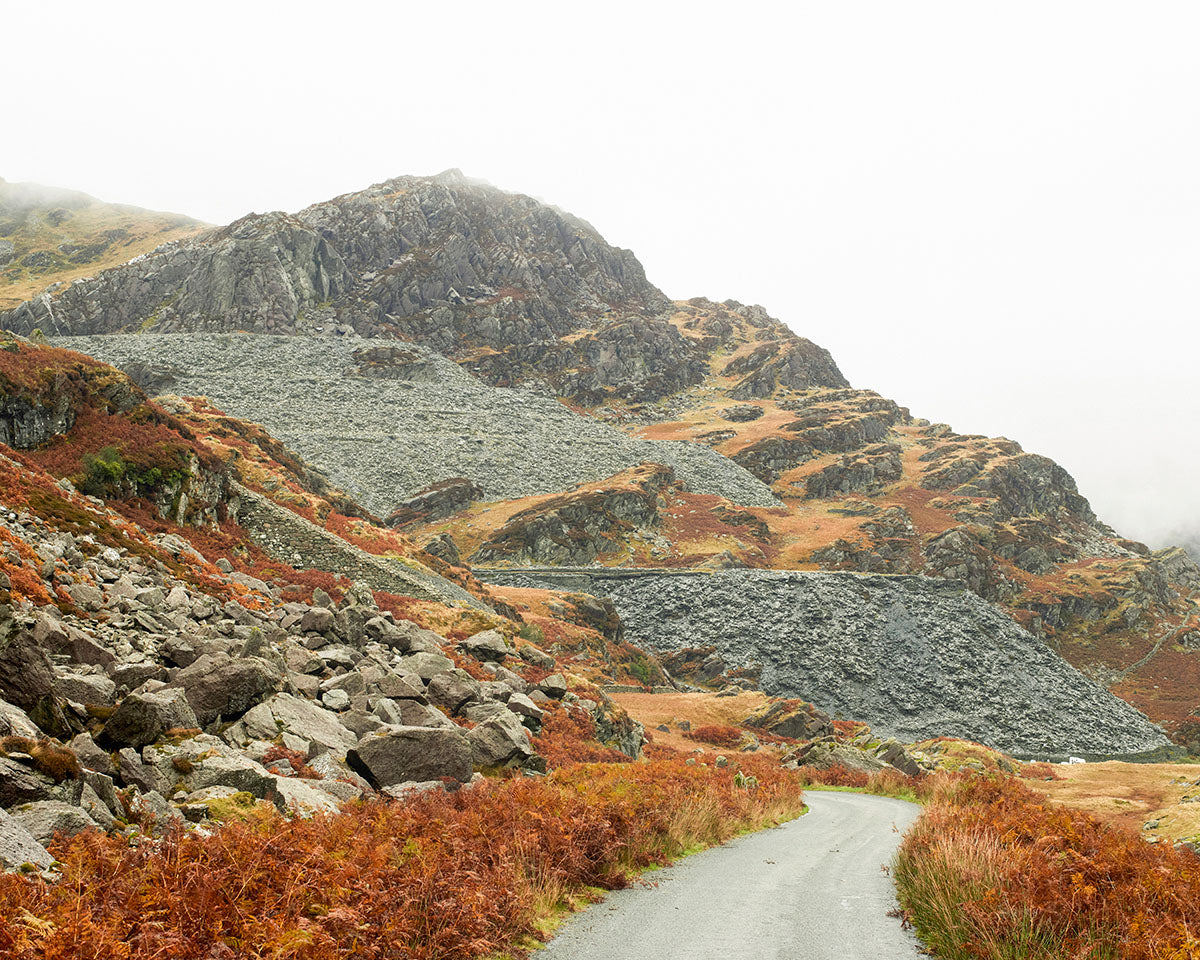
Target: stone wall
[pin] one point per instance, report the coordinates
(292, 539)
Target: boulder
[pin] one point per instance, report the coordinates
(538, 658)
(89, 688)
(25, 672)
(521, 705)
(486, 645)
(499, 741)
(425, 665)
(398, 754)
(399, 687)
(284, 713)
(91, 756)
(893, 752)
(452, 691)
(22, 784)
(823, 754)
(15, 722)
(44, 818)
(221, 686)
(554, 686)
(303, 797)
(144, 717)
(134, 773)
(236, 771)
(19, 847)
(317, 620)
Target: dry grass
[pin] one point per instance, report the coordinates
(699, 709)
(1129, 794)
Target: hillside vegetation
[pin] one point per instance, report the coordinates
(49, 235)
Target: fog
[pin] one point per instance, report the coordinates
(987, 212)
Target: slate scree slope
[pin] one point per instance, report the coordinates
(430, 329)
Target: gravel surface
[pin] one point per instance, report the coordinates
(812, 889)
(383, 440)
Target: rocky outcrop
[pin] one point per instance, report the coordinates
(796, 363)
(913, 656)
(436, 502)
(577, 527)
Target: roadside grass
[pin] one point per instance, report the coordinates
(884, 783)
(992, 870)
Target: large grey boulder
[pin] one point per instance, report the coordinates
(486, 645)
(304, 797)
(92, 756)
(452, 691)
(284, 713)
(500, 741)
(221, 686)
(144, 717)
(425, 665)
(19, 847)
(397, 754)
(25, 672)
(44, 818)
(15, 722)
(86, 688)
(22, 784)
(521, 705)
(235, 771)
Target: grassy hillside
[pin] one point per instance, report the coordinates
(49, 235)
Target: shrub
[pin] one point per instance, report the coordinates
(56, 762)
(993, 870)
(717, 736)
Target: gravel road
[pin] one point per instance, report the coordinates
(809, 890)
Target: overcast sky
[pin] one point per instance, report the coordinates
(988, 212)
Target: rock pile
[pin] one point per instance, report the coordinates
(158, 698)
(383, 440)
(915, 657)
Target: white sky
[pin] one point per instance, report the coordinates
(987, 212)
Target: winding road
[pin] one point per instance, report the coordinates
(813, 889)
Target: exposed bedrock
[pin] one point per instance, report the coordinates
(914, 656)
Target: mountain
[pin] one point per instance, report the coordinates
(49, 235)
(491, 374)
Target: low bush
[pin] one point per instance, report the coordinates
(717, 736)
(993, 870)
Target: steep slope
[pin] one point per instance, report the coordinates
(50, 236)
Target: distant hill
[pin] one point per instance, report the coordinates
(50, 235)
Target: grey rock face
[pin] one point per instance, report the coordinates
(44, 818)
(384, 440)
(397, 754)
(913, 656)
(301, 718)
(221, 686)
(499, 740)
(486, 645)
(143, 717)
(18, 846)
